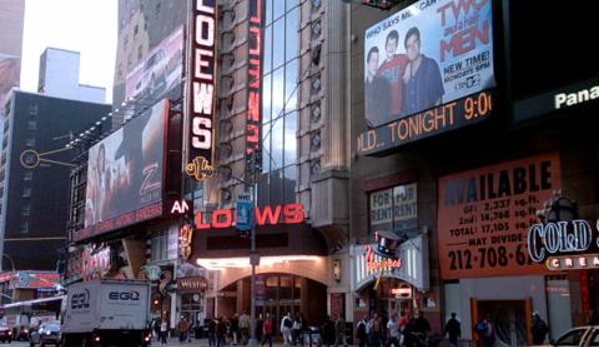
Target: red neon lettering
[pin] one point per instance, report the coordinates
(200, 222)
(254, 107)
(257, 18)
(384, 264)
(254, 72)
(465, 41)
(256, 49)
(267, 214)
(293, 213)
(252, 137)
(218, 222)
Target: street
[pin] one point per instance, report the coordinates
(172, 342)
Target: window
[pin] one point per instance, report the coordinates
(31, 125)
(28, 176)
(571, 338)
(394, 208)
(25, 210)
(159, 247)
(30, 142)
(279, 102)
(24, 228)
(26, 192)
(33, 110)
(135, 30)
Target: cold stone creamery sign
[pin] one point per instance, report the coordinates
(484, 216)
(201, 90)
(564, 245)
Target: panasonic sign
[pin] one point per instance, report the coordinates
(575, 98)
(201, 90)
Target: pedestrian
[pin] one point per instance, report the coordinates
(212, 332)
(485, 331)
(221, 332)
(267, 330)
(286, 325)
(244, 327)
(393, 331)
(340, 331)
(296, 330)
(539, 329)
(183, 327)
(235, 328)
(328, 332)
(362, 332)
(163, 332)
(375, 331)
(453, 330)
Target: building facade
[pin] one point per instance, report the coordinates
(59, 77)
(35, 173)
(473, 169)
(12, 16)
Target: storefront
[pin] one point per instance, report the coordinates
(386, 285)
(484, 218)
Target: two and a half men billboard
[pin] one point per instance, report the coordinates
(427, 70)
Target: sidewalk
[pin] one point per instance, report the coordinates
(174, 342)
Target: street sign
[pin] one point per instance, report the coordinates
(244, 211)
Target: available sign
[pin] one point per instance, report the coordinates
(485, 214)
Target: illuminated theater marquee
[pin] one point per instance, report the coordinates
(202, 90)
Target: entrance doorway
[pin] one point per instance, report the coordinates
(509, 318)
(278, 294)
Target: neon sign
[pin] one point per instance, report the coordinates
(185, 239)
(374, 263)
(201, 87)
(290, 213)
(254, 101)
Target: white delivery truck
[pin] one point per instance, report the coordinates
(104, 313)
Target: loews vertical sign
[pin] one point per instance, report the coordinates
(202, 89)
(254, 105)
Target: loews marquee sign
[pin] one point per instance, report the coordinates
(201, 90)
(565, 245)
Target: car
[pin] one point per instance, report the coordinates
(5, 334)
(154, 74)
(48, 333)
(583, 336)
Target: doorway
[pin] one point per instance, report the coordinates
(509, 318)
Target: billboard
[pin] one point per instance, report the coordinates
(162, 69)
(485, 214)
(125, 173)
(201, 90)
(420, 65)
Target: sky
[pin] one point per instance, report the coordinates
(86, 26)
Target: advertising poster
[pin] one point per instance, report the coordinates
(159, 72)
(394, 209)
(485, 214)
(429, 54)
(125, 170)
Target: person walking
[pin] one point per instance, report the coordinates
(340, 331)
(244, 327)
(539, 329)
(163, 332)
(362, 332)
(183, 328)
(286, 325)
(267, 330)
(453, 330)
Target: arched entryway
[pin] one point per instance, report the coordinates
(277, 294)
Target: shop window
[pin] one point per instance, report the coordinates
(394, 208)
(159, 247)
